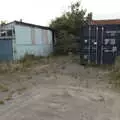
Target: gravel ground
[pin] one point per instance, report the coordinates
(59, 90)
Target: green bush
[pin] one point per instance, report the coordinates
(65, 43)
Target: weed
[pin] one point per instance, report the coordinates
(103, 66)
(29, 77)
(21, 89)
(23, 64)
(8, 98)
(2, 102)
(3, 88)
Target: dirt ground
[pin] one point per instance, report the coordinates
(61, 89)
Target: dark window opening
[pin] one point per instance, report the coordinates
(3, 33)
(9, 32)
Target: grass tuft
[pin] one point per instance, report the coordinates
(2, 102)
(3, 88)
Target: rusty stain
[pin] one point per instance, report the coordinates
(111, 21)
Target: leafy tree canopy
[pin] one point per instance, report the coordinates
(68, 26)
(72, 20)
(3, 22)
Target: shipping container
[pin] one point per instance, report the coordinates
(100, 44)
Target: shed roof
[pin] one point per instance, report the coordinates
(31, 25)
(102, 22)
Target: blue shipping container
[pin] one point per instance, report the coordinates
(100, 43)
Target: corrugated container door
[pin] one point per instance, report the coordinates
(100, 44)
(6, 50)
(118, 40)
(109, 44)
(93, 40)
(90, 52)
(85, 45)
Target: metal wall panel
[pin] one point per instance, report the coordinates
(31, 40)
(33, 37)
(47, 37)
(101, 43)
(37, 50)
(44, 36)
(109, 44)
(22, 50)
(23, 35)
(6, 52)
(50, 37)
(38, 36)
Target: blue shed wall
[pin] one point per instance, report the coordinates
(6, 51)
(31, 40)
(6, 43)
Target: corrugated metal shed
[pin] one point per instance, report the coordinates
(29, 39)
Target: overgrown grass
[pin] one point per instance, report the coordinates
(30, 60)
(113, 72)
(103, 66)
(23, 64)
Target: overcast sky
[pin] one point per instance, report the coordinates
(42, 11)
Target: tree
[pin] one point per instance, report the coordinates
(89, 18)
(3, 22)
(69, 24)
